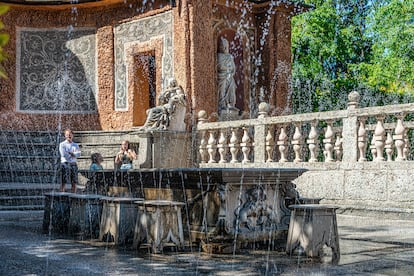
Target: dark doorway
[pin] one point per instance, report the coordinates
(144, 86)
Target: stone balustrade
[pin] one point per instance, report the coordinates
(372, 134)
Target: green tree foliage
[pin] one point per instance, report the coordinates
(391, 29)
(341, 45)
(4, 38)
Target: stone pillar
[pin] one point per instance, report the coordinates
(260, 135)
(170, 149)
(350, 130)
(144, 159)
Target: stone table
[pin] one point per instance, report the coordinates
(119, 215)
(159, 222)
(313, 226)
(56, 213)
(85, 215)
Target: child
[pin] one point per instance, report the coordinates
(96, 162)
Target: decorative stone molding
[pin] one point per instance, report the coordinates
(140, 31)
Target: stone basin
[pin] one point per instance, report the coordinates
(219, 202)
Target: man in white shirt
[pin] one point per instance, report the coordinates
(69, 151)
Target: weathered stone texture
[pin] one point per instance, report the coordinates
(184, 48)
(400, 188)
(379, 184)
(330, 182)
(366, 185)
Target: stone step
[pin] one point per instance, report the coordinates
(29, 176)
(22, 200)
(101, 137)
(39, 149)
(106, 152)
(29, 159)
(28, 137)
(84, 164)
(28, 163)
(24, 196)
(21, 207)
(13, 188)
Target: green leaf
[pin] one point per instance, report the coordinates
(3, 9)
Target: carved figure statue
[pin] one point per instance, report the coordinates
(172, 104)
(254, 213)
(226, 69)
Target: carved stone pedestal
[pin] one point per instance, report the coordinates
(313, 226)
(85, 215)
(118, 219)
(159, 222)
(230, 114)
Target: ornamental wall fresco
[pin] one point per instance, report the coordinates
(56, 70)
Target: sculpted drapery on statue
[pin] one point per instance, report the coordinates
(170, 113)
(226, 69)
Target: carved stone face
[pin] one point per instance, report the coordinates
(173, 82)
(224, 46)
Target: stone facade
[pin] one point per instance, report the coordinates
(100, 65)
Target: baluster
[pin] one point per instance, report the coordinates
(373, 148)
(338, 148)
(379, 137)
(245, 145)
(389, 147)
(398, 137)
(312, 142)
(406, 146)
(222, 146)
(328, 142)
(270, 144)
(212, 147)
(203, 148)
(362, 140)
(234, 146)
(202, 118)
(282, 144)
(296, 142)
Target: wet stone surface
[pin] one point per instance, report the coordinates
(369, 246)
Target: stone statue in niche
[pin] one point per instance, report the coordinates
(170, 113)
(226, 68)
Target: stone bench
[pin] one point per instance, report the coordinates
(56, 212)
(118, 219)
(159, 222)
(313, 226)
(85, 215)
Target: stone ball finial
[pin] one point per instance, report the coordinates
(354, 96)
(353, 99)
(202, 116)
(264, 109)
